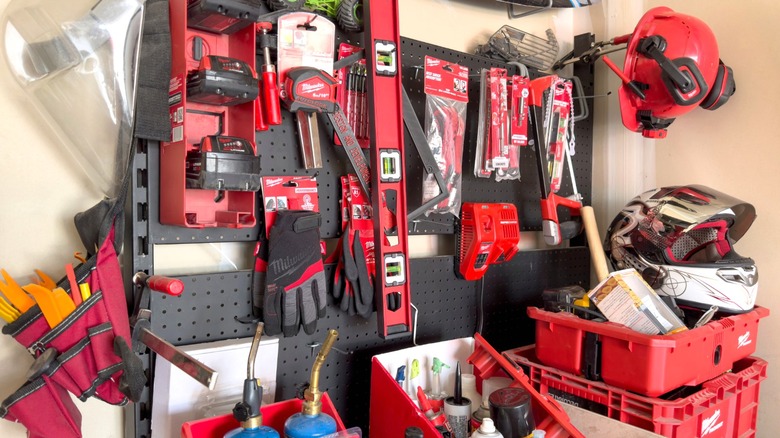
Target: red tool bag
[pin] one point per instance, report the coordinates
(89, 352)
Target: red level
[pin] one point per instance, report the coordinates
(388, 186)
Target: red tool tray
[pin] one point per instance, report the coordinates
(649, 365)
(726, 406)
(392, 411)
(191, 121)
(274, 416)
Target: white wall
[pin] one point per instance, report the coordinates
(42, 189)
(735, 150)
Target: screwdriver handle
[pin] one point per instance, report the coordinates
(166, 285)
(271, 104)
(260, 124)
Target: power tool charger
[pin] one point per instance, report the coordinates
(487, 234)
(223, 163)
(220, 80)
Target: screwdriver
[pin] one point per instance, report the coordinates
(271, 105)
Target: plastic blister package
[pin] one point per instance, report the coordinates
(445, 125)
(77, 63)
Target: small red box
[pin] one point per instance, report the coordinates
(392, 411)
(649, 365)
(274, 416)
(726, 406)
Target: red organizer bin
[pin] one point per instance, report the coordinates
(274, 416)
(392, 411)
(726, 406)
(649, 365)
(191, 121)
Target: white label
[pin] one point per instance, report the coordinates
(744, 340)
(711, 424)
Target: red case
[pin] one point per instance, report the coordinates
(392, 411)
(274, 416)
(726, 406)
(191, 121)
(649, 365)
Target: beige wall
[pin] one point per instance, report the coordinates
(42, 189)
(734, 150)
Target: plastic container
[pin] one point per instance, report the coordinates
(193, 121)
(649, 365)
(726, 406)
(392, 411)
(274, 416)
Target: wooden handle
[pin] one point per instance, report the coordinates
(597, 256)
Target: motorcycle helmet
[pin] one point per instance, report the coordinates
(673, 60)
(681, 239)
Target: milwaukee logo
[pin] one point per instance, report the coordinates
(287, 264)
(744, 340)
(311, 88)
(711, 424)
(270, 182)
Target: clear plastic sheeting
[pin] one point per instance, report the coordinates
(76, 61)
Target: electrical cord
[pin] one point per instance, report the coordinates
(480, 308)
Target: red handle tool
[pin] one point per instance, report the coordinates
(270, 90)
(166, 285)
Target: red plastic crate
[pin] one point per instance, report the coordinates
(274, 416)
(392, 411)
(726, 406)
(649, 365)
(191, 121)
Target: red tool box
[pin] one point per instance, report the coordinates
(726, 406)
(274, 416)
(195, 117)
(649, 365)
(392, 410)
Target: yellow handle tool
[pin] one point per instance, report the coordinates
(7, 317)
(8, 312)
(14, 293)
(8, 308)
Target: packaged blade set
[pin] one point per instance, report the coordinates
(503, 127)
(446, 99)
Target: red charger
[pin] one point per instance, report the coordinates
(488, 234)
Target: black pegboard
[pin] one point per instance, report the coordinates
(279, 152)
(448, 306)
(524, 193)
(210, 304)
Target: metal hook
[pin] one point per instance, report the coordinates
(314, 345)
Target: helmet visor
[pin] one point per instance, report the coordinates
(682, 209)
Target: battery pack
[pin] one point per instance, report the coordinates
(222, 16)
(223, 163)
(224, 81)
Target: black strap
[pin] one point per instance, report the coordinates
(154, 74)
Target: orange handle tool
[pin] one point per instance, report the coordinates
(14, 293)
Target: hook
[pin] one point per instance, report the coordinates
(314, 345)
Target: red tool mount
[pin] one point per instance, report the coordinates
(388, 184)
(488, 234)
(554, 231)
(201, 58)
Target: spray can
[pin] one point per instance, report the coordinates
(487, 430)
(311, 422)
(247, 411)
